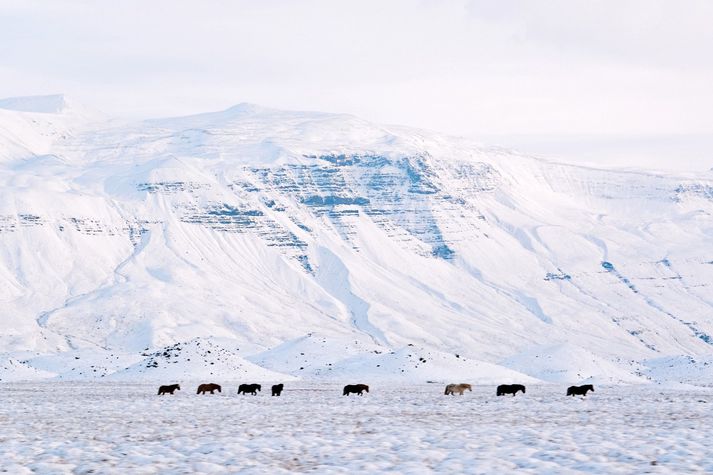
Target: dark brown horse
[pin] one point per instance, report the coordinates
(579, 390)
(504, 389)
(168, 389)
(208, 387)
(355, 388)
(249, 388)
(277, 389)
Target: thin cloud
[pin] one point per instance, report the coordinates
(465, 67)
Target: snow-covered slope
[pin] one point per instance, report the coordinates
(260, 227)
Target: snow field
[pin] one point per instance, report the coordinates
(126, 428)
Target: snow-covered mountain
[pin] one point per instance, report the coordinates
(321, 245)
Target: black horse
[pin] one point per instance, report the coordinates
(249, 388)
(579, 390)
(504, 389)
(168, 389)
(277, 389)
(355, 388)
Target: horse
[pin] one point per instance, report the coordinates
(249, 388)
(168, 389)
(579, 390)
(277, 389)
(457, 388)
(208, 387)
(355, 388)
(510, 389)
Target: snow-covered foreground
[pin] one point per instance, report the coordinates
(126, 428)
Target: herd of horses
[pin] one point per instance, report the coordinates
(212, 387)
(359, 389)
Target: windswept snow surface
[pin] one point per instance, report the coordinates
(98, 427)
(313, 245)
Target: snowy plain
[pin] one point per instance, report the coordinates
(82, 428)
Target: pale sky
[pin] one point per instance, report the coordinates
(627, 83)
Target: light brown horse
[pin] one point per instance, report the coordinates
(457, 388)
(208, 387)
